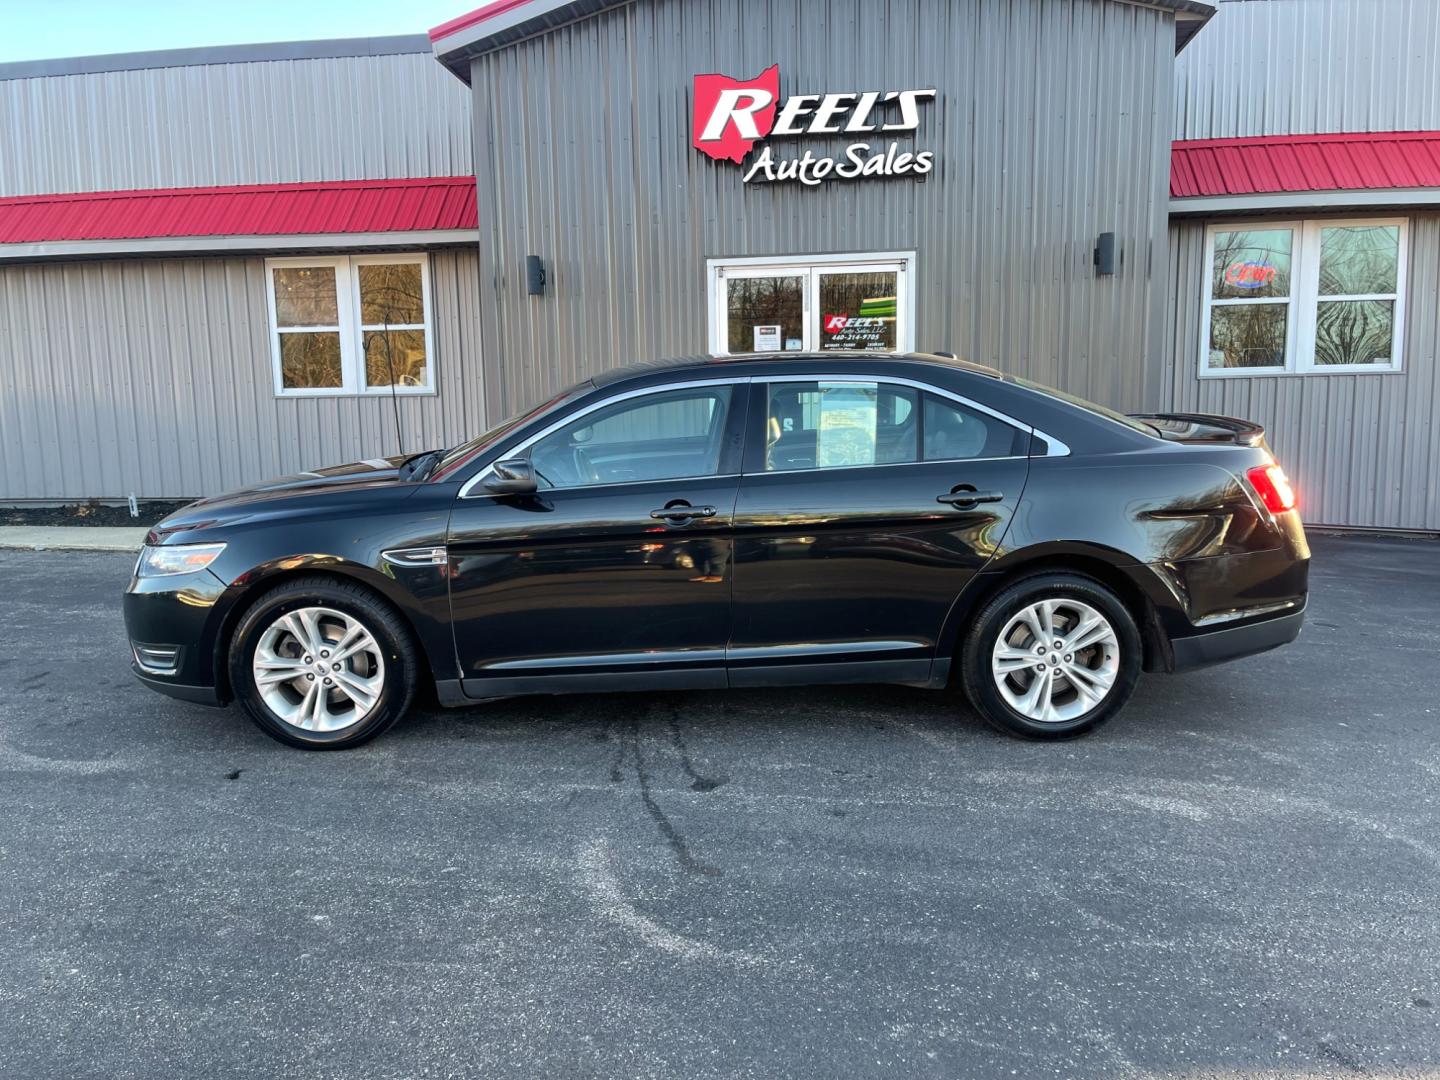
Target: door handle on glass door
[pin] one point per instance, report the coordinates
(968, 497)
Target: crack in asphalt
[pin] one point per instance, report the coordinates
(671, 834)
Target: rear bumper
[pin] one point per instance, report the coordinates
(1217, 646)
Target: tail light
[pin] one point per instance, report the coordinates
(1273, 487)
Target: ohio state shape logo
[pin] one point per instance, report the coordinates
(732, 115)
(729, 116)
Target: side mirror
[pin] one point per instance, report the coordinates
(513, 477)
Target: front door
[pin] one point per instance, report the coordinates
(866, 507)
(618, 570)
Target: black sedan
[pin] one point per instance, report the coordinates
(740, 521)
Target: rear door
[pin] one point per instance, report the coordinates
(866, 506)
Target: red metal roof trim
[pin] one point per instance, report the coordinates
(344, 206)
(1339, 162)
(471, 18)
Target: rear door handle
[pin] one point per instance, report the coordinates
(968, 498)
(682, 512)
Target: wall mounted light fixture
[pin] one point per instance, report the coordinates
(1105, 256)
(534, 275)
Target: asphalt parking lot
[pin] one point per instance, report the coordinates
(1240, 876)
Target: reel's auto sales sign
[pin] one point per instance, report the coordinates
(732, 115)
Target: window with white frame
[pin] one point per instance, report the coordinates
(812, 303)
(351, 324)
(1305, 297)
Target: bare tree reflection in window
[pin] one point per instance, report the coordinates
(763, 301)
(1354, 332)
(392, 319)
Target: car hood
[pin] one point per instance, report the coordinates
(282, 494)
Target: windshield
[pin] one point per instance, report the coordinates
(463, 454)
(1089, 406)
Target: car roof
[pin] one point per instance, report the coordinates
(702, 362)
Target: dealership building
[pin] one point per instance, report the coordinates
(223, 264)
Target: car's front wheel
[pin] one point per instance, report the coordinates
(322, 664)
(1050, 656)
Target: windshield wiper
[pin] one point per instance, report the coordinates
(420, 466)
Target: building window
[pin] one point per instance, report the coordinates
(814, 303)
(357, 324)
(1309, 298)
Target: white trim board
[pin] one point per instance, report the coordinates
(1286, 201)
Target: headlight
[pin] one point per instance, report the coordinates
(176, 559)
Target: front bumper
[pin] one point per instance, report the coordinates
(1217, 646)
(198, 695)
(180, 613)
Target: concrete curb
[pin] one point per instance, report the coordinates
(70, 538)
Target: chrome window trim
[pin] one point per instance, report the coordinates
(644, 391)
(887, 465)
(619, 483)
(1055, 447)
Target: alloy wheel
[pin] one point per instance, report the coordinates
(1056, 660)
(318, 669)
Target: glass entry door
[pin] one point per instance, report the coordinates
(765, 310)
(815, 306)
(858, 308)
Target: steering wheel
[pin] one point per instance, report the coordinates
(584, 467)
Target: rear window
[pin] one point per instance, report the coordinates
(1089, 406)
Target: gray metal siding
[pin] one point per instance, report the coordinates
(154, 377)
(1051, 126)
(1363, 449)
(336, 118)
(1280, 67)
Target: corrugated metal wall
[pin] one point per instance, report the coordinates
(1361, 447)
(1279, 67)
(344, 118)
(154, 377)
(1364, 450)
(1051, 126)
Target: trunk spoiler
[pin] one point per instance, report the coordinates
(1204, 428)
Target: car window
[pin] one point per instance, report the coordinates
(458, 457)
(835, 425)
(1089, 406)
(660, 436)
(829, 425)
(953, 432)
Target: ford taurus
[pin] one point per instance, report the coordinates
(741, 521)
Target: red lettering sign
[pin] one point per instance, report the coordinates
(1249, 275)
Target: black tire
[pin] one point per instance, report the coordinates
(978, 647)
(401, 659)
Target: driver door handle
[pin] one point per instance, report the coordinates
(965, 499)
(681, 513)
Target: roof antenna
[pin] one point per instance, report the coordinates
(394, 399)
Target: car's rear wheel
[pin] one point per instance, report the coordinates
(1051, 656)
(322, 664)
